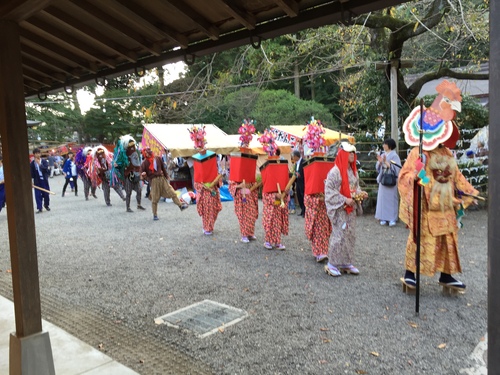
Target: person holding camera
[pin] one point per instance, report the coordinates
(388, 164)
(70, 173)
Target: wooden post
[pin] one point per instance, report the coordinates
(394, 102)
(28, 338)
(494, 195)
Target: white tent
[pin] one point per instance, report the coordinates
(175, 138)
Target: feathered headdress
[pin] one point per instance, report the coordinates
(95, 165)
(125, 140)
(120, 159)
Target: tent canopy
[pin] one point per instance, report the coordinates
(175, 138)
(293, 133)
(256, 146)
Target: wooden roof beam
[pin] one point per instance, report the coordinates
(88, 32)
(93, 11)
(70, 42)
(30, 85)
(18, 11)
(246, 19)
(139, 18)
(39, 69)
(46, 60)
(206, 27)
(29, 38)
(43, 81)
(290, 7)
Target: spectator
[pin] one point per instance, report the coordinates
(481, 149)
(40, 174)
(299, 182)
(387, 197)
(52, 161)
(70, 172)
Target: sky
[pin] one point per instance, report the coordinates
(172, 71)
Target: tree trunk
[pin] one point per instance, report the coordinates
(161, 77)
(313, 92)
(296, 80)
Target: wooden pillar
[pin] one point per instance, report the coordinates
(494, 195)
(28, 338)
(394, 102)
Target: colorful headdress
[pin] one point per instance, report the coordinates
(197, 134)
(125, 141)
(437, 125)
(81, 157)
(120, 159)
(268, 142)
(247, 129)
(100, 149)
(314, 135)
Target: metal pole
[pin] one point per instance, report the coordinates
(419, 212)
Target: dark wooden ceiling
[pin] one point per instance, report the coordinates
(67, 43)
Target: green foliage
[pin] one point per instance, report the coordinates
(58, 120)
(266, 107)
(473, 114)
(279, 107)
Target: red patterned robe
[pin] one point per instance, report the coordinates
(208, 205)
(317, 225)
(247, 212)
(274, 218)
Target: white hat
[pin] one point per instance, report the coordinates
(346, 146)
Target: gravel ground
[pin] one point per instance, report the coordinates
(106, 274)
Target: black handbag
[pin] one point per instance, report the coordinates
(389, 178)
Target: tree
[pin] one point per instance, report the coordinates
(440, 29)
(59, 116)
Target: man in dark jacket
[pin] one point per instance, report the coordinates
(40, 174)
(299, 182)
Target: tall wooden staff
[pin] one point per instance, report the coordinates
(419, 211)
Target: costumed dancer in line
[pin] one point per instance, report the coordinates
(446, 192)
(343, 201)
(246, 207)
(274, 196)
(153, 169)
(99, 170)
(208, 202)
(208, 205)
(83, 161)
(127, 168)
(317, 225)
(245, 194)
